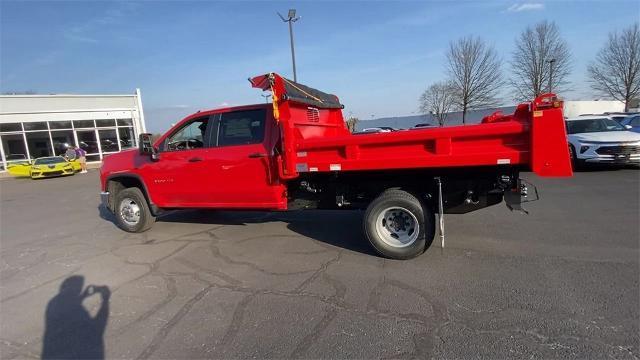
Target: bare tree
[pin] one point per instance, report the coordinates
(438, 100)
(616, 69)
(474, 72)
(535, 48)
(351, 123)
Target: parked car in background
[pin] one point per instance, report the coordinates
(619, 117)
(601, 140)
(44, 167)
(632, 123)
(422, 126)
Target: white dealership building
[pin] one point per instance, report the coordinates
(33, 126)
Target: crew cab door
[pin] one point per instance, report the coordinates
(244, 151)
(179, 178)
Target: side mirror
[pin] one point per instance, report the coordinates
(629, 127)
(146, 147)
(144, 142)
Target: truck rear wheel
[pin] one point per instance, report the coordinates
(398, 225)
(132, 211)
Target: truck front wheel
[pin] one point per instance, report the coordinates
(132, 211)
(398, 225)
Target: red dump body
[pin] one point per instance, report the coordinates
(315, 138)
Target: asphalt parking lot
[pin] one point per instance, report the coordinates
(560, 282)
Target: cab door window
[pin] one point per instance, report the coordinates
(191, 135)
(241, 128)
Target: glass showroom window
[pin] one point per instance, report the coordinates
(39, 144)
(53, 125)
(62, 140)
(126, 133)
(14, 148)
(84, 124)
(40, 125)
(88, 142)
(125, 122)
(108, 140)
(127, 138)
(7, 127)
(13, 144)
(106, 123)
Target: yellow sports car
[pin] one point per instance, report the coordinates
(45, 167)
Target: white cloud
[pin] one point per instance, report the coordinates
(525, 7)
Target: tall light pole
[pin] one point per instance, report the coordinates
(551, 61)
(291, 18)
(266, 97)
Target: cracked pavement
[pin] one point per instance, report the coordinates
(560, 282)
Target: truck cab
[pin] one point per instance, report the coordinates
(211, 159)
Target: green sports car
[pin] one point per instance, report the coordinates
(45, 167)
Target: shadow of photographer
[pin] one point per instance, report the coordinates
(70, 331)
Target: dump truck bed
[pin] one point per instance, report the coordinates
(315, 138)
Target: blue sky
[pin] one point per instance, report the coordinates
(376, 56)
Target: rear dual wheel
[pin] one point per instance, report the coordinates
(398, 225)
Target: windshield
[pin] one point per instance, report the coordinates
(49, 160)
(593, 125)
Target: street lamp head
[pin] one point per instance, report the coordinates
(292, 14)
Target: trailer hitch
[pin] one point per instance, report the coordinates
(520, 194)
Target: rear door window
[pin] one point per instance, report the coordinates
(241, 127)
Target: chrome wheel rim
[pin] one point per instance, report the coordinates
(129, 211)
(397, 227)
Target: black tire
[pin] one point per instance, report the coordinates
(391, 199)
(146, 218)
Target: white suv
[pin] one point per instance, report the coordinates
(600, 139)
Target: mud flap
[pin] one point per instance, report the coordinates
(516, 196)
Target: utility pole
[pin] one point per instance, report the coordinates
(551, 61)
(291, 18)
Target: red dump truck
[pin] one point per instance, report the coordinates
(297, 153)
